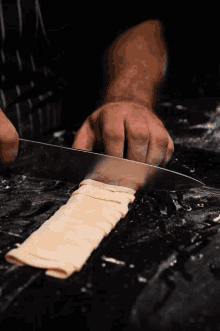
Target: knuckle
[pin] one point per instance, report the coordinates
(170, 151)
(162, 137)
(162, 140)
(140, 133)
(171, 148)
(113, 134)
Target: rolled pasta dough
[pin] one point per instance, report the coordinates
(65, 241)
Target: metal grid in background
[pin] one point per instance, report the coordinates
(19, 61)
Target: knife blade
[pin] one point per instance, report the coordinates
(46, 161)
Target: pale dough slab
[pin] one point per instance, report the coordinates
(108, 187)
(106, 226)
(65, 241)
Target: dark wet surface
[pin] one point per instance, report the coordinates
(158, 269)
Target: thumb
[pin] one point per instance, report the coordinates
(84, 138)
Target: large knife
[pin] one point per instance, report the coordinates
(65, 241)
(41, 160)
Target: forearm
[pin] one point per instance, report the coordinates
(136, 62)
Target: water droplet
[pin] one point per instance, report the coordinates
(163, 212)
(193, 239)
(200, 205)
(196, 257)
(216, 219)
(112, 260)
(142, 280)
(103, 264)
(131, 266)
(185, 207)
(212, 266)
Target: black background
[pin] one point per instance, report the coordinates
(84, 31)
(79, 34)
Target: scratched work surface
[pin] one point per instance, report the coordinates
(158, 269)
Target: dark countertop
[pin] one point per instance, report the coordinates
(158, 269)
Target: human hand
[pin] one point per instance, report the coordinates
(114, 124)
(9, 139)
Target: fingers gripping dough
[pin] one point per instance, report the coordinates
(65, 241)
